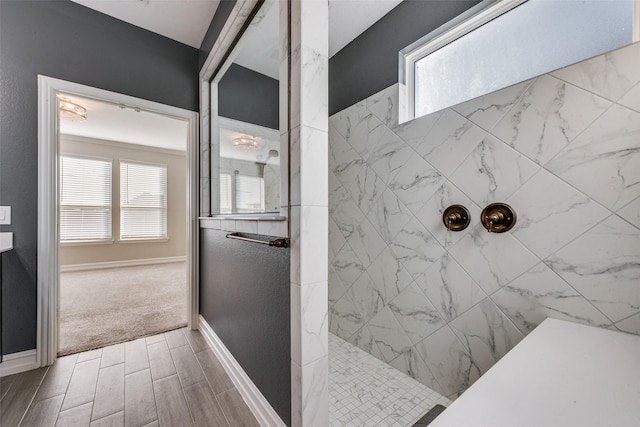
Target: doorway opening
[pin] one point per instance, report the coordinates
(117, 215)
(122, 223)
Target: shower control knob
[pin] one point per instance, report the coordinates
(456, 218)
(498, 218)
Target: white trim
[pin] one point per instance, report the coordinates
(254, 399)
(119, 264)
(463, 24)
(48, 152)
(636, 20)
(118, 144)
(18, 362)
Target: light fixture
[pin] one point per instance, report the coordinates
(72, 112)
(245, 143)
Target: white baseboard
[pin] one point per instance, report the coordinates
(259, 406)
(18, 362)
(117, 264)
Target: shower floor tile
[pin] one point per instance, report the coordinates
(364, 391)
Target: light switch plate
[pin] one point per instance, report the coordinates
(5, 215)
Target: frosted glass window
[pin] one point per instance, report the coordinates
(85, 199)
(534, 38)
(143, 201)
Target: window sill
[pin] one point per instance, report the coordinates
(154, 240)
(87, 242)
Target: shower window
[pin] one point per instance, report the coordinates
(500, 43)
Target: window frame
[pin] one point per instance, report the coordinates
(139, 239)
(89, 241)
(463, 24)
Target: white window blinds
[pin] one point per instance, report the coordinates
(143, 201)
(249, 190)
(85, 199)
(225, 193)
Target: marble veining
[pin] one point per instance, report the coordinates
(441, 306)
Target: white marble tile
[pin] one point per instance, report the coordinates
(247, 226)
(336, 192)
(310, 394)
(416, 248)
(410, 363)
(345, 212)
(284, 172)
(388, 335)
(388, 275)
(273, 228)
(487, 334)
(414, 131)
(604, 161)
(347, 266)
(631, 212)
(366, 189)
(604, 265)
(384, 105)
(365, 297)
(448, 361)
(336, 239)
(551, 213)
(431, 213)
(630, 324)
(487, 110)
(344, 318)
(309, 244)
(308, 167)
(309, 327)
(344, 162)
(336, 288)
(366, 243)
(450, 141)
(492, 172)
(360, 128)
(540, 293)
(364, 340)
(315, 16)
(632, 98)
(389, 215)
(610, 75)
(491, 259)
(310, 72)
(416, 182)
(417, 316)
(451, 290)
(548, 117)
(389, 156)
(227, 225)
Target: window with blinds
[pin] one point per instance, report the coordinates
(225, 193)
(249, 194)
(85, 199)
(143, 201)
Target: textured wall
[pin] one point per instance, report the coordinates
(563, 149)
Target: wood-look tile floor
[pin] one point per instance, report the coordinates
(171, 379)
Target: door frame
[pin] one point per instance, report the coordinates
(48, 276)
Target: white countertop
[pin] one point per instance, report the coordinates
(562, 374)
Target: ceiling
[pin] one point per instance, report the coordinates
(110, 122)
(187, 21)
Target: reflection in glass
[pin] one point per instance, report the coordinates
(247, 121)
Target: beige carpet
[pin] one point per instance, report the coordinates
(102, 307)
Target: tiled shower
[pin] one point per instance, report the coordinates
(562, 149)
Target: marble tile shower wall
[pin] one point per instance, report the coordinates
(563, 149)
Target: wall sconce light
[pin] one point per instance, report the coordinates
(72, 112)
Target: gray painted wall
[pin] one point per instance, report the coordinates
(217, 23)
(370, 62)
(65, 40)
(244, 296)
(248, 96)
